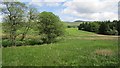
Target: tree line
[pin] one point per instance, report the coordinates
(101, 27)
(20, 18)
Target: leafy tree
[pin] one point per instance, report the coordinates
(81, 26)
(87, 26)
(101, 27)
(32, 15)
(104, 28)
(50, 27)
(94, 27)
(118, 28)
(14, 17)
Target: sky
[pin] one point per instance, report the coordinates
(71, 10)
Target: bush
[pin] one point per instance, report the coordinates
(33, 41)
(20, 43)
(6, 43)
(71, 26)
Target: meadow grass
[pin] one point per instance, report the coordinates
(73, 23)
(76, 48)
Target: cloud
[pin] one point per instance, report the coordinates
(49, 0)
(42, 4)
(67, 18)
(92, 9)
(36, 3)
(51, 3)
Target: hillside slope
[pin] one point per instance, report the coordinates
(75, 48)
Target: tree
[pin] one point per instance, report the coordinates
(14, 17)
(32, 15)
(94, 27)
(50, 27)
(81, 26)
(118, 28)
(104, 28)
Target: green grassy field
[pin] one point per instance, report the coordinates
(76, 48)
(73, 23)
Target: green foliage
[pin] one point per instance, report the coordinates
(92, 26)
(118, 28)
(69, 26)
(14, 17)
(112, 32)
(18, 22)
(31, 23)
(49, 26)
(33, 41)
(19, 43)
(105, 27)
(6, 43)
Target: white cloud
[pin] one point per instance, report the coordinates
(92, 9)
(49, 0)
(51, 3)
(55, 0)
(67, 18)
(36, 3)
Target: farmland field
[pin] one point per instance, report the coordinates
(76, 48)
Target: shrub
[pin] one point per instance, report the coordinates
(69, 26)
(6, 43)
(33, 41)
(20, 43)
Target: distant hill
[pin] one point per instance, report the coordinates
(73, 24)
(82, 21)
(79, 21)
